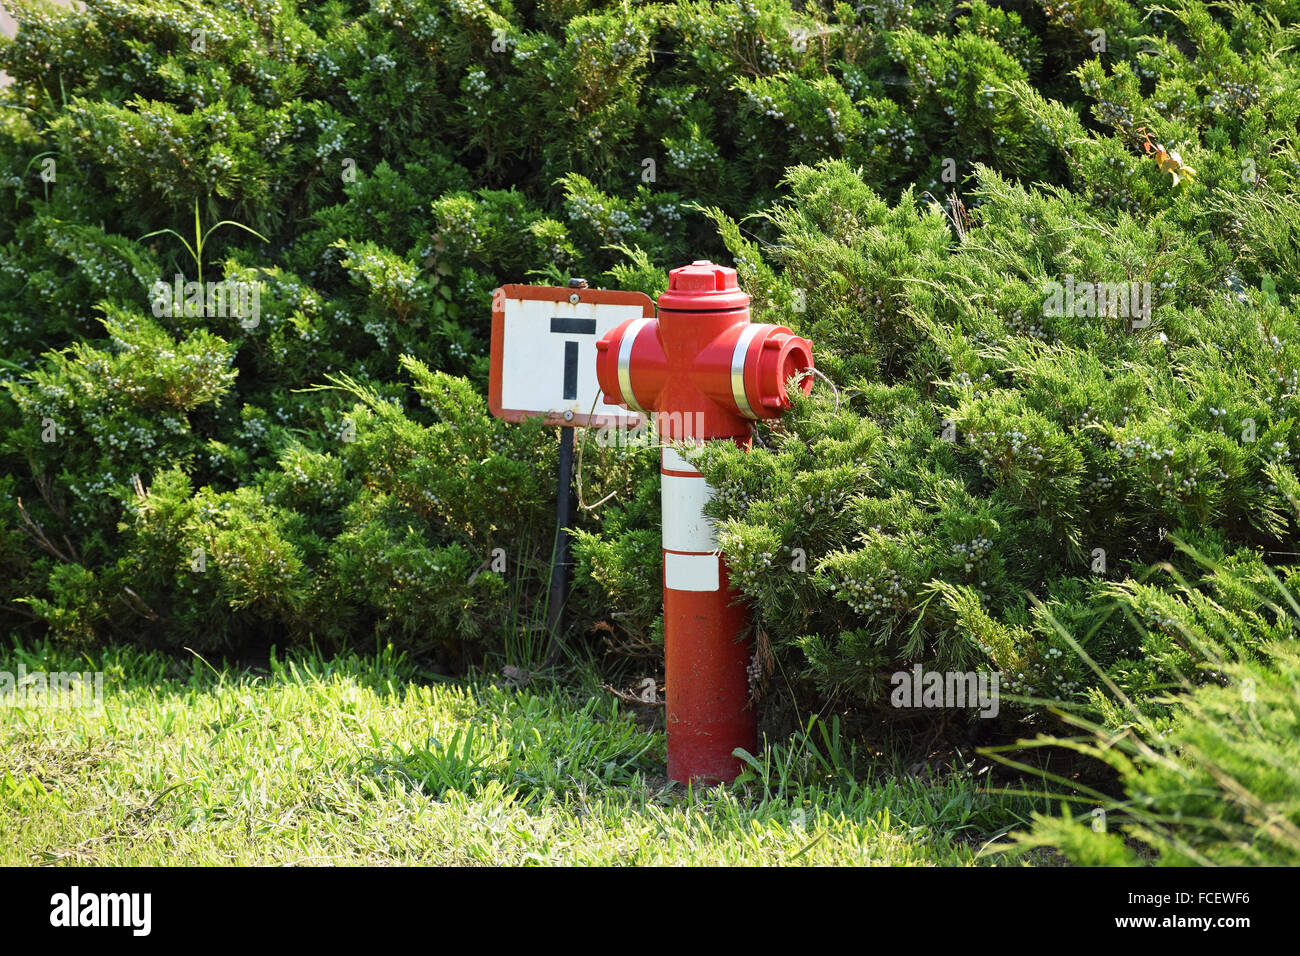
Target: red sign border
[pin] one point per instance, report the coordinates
(549, 293)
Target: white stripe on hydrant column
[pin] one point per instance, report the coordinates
(691, 560)
(691, 572)
(685, 526)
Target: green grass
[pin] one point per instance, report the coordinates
(360, 760)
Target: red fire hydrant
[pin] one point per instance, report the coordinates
(705, 372)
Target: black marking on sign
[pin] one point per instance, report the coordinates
(573, 326)
(571, 370)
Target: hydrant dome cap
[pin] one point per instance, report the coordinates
(703, 286)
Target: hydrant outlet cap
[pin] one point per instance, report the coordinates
(703, 286)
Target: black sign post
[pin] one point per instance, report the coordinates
(560, 554)
(537, 371)
(560, 560)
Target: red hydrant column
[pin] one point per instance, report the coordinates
(706, 654)
(707, 373)
(706, 651)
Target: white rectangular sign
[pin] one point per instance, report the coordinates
(544, 352)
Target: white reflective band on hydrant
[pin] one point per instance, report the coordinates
(685, 527)
(738, 370)
(625, 363)
(690, 548)
(691, 572)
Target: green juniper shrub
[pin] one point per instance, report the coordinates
(1215, 783)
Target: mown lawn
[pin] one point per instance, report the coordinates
(364, 761)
